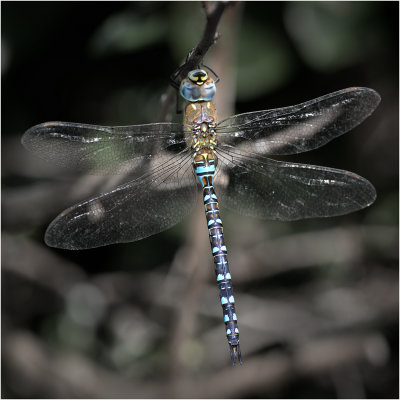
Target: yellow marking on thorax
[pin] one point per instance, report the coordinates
(204, 155)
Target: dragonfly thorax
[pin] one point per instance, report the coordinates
(200, 119)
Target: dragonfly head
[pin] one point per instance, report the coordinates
(198, 76)
(198, 86)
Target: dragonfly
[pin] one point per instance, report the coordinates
(228, 158)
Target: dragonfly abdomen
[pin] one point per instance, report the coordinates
(204, 166)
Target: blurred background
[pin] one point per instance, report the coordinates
(317, 299)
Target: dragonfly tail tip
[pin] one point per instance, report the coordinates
(235, 354)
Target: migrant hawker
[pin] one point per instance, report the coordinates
(226, 158)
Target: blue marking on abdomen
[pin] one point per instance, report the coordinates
(210, 169)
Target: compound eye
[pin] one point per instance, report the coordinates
(198, 76)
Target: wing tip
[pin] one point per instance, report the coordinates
(36, 130)
(373, 97)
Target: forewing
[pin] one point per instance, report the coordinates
(301, 127)
(133, 211)
(265, 188)
(101, 149)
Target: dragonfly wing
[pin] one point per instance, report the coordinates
(133, 211)
(301, 127)
(101, 149)
(265, 188)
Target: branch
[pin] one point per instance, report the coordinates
(210, 36)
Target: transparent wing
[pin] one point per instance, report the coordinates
(133, 211)
(301, 127)
(101, 149)
(265, 188)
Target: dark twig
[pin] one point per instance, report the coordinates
(210, 36)
(213, 13)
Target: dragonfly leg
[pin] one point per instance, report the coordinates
(216, 76)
